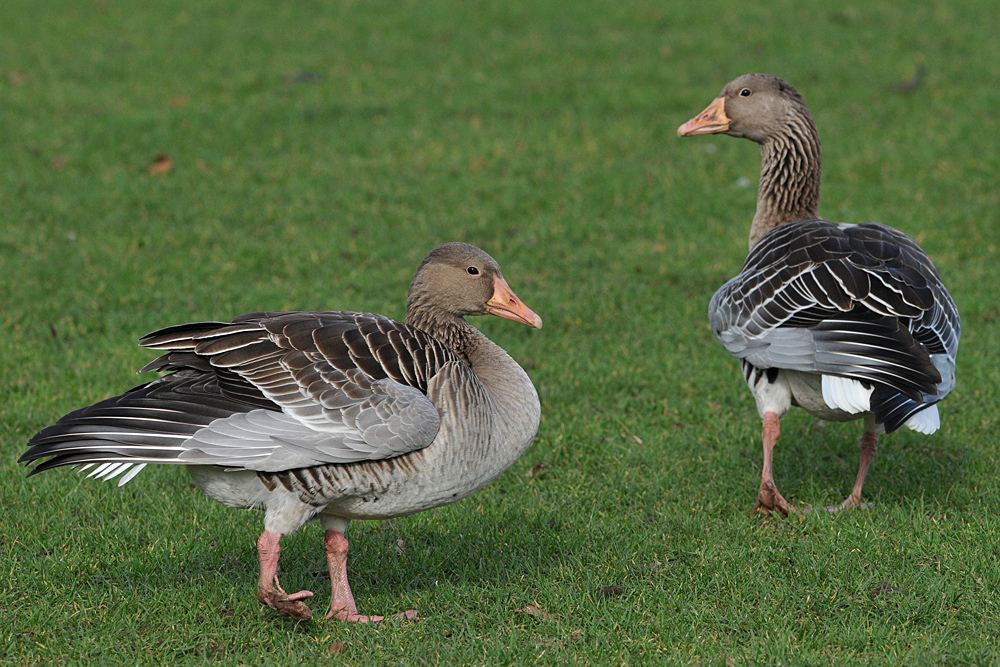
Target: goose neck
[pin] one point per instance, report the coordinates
(791, 166)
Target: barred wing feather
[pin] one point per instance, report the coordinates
(267, 392)
(857, 301)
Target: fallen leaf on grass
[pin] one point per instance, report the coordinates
(161, 166)
(536, 471)
(337, 647)
(537, 612)
(179, 101)
(400, 545)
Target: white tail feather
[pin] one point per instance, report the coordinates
(108, 471)
(115, 470)
(131, 473)
(99, 470)
(845, 394)
(926, 421)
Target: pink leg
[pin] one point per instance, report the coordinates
(768, 498)
(868, 447)
(342, 605)
(269, 590)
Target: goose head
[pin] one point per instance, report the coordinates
(457, 280)
(758, 107)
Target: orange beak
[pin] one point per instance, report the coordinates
(710, 121)
(504, 303)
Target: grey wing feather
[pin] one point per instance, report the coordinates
(268, 392)
(394, 420)
(860, 301)
(338, 375)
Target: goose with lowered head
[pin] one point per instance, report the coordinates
(846, 321)
(330, 415)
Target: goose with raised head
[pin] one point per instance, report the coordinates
(846, 321)
(330, 415)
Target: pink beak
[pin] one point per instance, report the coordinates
(504, 303)
(710, 121)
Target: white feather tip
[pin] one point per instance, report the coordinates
(846, 394)
(926, 421)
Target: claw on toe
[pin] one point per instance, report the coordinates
(769, 510)
(287, 605)
(769, 500)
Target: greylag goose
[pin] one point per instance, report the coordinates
(336, 415)
(846, 321)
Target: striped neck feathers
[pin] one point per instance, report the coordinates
(791, 165)
(458, 335)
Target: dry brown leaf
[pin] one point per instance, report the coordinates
(337, 647)
(537, 612)
(400, 545)
(179, 101)
(161, 166)
(536, 470)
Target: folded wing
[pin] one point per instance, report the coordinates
(862, 302)
(267, 392)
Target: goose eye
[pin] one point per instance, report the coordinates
(473, 271)
(746, 92)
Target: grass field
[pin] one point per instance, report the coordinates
(320, 149)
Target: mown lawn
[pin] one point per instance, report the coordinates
(320, 149)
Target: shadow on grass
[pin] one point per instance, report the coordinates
(455, 547)
(388, 559)
(821, 458)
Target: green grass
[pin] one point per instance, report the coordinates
(321, 149)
